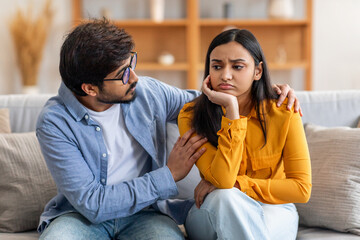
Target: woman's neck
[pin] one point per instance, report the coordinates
(245, 105)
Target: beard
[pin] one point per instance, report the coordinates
(113, 99)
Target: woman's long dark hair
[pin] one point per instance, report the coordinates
(207, 115)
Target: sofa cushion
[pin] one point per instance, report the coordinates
(25, 182)
(335, 162)
(4, 121)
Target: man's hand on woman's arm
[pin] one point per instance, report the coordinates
(185, 153)
(284, 90)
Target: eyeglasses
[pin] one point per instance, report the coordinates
(126, 75)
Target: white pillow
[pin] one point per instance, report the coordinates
(335, 162)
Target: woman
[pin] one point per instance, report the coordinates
(257, 162)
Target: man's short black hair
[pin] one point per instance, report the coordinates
(91, 51)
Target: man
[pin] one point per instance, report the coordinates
(103, 138)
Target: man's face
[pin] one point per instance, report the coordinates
(116, 91)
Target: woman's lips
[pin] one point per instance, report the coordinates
(226, 86)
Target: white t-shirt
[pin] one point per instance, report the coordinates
(127, 159)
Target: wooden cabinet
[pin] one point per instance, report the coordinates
(187, 40)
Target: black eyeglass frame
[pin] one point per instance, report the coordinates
(125, 69)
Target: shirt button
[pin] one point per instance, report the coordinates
(86, 117)
(103, 180)
(104, 154)
(97, 129)
(229, 124)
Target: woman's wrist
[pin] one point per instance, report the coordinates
(232, 111)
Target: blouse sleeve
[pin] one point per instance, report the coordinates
(220, 166)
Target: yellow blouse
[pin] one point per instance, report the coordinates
(279, 172)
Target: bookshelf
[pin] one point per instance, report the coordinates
(187, 40)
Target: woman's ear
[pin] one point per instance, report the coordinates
(89, 89)
(258, 71)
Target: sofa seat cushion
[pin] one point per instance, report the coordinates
(32, 235)
(306, 233)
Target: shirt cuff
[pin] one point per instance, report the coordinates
(244, 186)
(233, 129)
(164, 183)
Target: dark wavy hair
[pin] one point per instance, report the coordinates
(207, 115)
(91, 51)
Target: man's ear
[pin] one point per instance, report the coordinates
(89, 89)
(258, 71)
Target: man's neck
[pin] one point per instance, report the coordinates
(92, 103)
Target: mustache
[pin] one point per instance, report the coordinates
(133, 85)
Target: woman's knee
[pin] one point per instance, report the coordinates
(226, 198)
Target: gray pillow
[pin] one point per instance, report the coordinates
(335, 162)
(25, 182)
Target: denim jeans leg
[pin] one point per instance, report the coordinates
(282, 220)
(227, 214)
(73, 226)
(150, 225)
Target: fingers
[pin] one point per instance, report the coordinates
(201, 191)
(197, 155)
(291, 99)
(297, 107)
(205, 86)
(200, 194)
(276, 89)
(281, 99)
(184, 139)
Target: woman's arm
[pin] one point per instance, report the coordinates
(297, 185)
(220, 166)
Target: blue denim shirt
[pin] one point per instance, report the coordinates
(76, 155)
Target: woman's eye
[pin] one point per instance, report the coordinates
(238, 67)
(216, 67)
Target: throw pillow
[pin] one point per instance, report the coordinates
(4, 121)
(25, 182)
(335, 196)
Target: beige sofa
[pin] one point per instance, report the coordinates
(334, 203)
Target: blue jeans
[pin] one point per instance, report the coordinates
(146, 224)
(231, 214)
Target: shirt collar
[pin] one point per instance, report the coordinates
(76, 109)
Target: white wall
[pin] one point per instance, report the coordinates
(336, 44)
(49, 77)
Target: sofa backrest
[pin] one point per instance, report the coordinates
(326, 108)
(330, 108)
(24, 110)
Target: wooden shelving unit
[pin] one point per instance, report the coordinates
(187, 39)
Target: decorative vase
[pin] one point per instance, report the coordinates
(30, 89)
(228, 10)
(166, 58)
(281, 9)
(157, 10)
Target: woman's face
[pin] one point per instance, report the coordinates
(232, 69)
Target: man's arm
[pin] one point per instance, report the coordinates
(77, 181)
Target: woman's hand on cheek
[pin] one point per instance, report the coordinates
(228, 101)
(216, 97)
